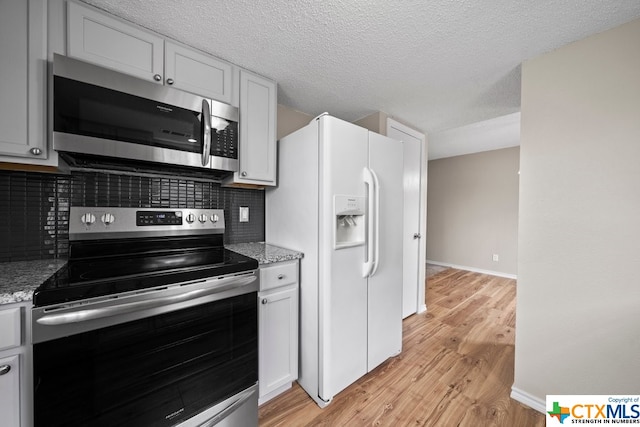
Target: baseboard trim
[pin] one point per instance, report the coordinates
(422, 308)
(274, 393)
(529, 400)
(475, 270)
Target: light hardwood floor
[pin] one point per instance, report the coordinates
(456, 367)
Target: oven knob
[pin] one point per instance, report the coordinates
(190, 218)
(214, 218)
(108, 219)
(202, 218)
(88, 219)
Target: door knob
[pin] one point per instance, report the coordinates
(416, 235)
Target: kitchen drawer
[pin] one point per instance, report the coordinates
(280, 274)
(10, 328)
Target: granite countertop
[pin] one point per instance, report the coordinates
(19, 279)
(264, 252)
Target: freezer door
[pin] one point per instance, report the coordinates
(342, 290)
(384, 309)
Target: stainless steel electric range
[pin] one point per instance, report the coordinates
(151, 323)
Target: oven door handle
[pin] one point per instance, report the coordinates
(220, 285)
(224, 413)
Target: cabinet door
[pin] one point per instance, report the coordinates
(10, 335)
(103, 40)
(257, 130)
(278, 339)
(24, 76)
(10, 390)
(195, 72)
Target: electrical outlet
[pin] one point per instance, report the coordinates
(496, 257)
(244, 214)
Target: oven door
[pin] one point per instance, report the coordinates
(186, 355)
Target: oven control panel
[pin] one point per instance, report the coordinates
(109, 222)
(147, 218)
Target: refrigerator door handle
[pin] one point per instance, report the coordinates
(376, 220)
(369, 263)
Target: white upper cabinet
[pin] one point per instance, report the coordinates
(198, 73)
(107, 41)
(258, 106)
(23, 67)
(95, 37)
(31, 31)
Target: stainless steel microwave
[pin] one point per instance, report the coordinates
(105, 114)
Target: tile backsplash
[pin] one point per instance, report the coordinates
(34, 216)
(34, 207)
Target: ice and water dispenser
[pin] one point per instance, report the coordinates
(349, 221)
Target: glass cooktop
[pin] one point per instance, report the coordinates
(107, 268)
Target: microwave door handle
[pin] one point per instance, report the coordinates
(206, 132)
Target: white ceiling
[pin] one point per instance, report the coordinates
(492, 134)
(436, 64)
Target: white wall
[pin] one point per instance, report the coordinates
(472, 211)
(290, 120)
(578, 298)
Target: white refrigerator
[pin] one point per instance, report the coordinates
(339, 200)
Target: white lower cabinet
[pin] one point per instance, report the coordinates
(10, 390)
(277, 329)
(15, 366)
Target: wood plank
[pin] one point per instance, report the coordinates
(456, 367)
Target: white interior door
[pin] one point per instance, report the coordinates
(414, 232)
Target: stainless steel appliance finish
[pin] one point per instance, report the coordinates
(100, 112)
(117, 223)
(236, 411)
(66, 319)
(152, 322)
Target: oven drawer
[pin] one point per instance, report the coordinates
(280, 274)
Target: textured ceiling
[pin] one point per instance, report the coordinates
(436, 64)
